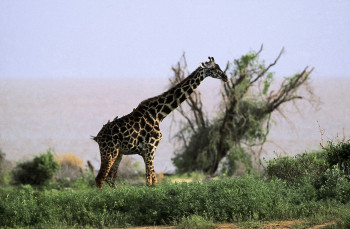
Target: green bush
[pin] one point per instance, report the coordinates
(238, 162)
(36, 172)
(339, 154)
(87, 180)
(344, 223)
(228, 200)
(312, 164)
(333, 184)
(292, 169)
(327, 171)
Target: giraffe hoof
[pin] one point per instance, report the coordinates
(111, 184)
(99, 184)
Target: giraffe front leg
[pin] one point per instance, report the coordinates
(107, 160)
(112, 175)
(151, 178)
(154, 178)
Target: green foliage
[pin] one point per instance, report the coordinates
(5, 174)
(246, 63)
(195, 222)
(292, 169)
(248, 123)
(313, 164)
(36, 172)
(333, 184)
(196, 156)
(267, 82)
(244, 121)
(228, 200)
(344, 223)
(236, 158)
(339, 154)
(201, 151)
(2, 159)
(326, 171)
(86, 180)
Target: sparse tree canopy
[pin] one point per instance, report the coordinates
(244, 119)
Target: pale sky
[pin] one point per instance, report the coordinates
(64, 38)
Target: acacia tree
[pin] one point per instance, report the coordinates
(243, 122)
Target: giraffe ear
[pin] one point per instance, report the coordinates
(202, 65)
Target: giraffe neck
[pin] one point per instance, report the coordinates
(159, 107)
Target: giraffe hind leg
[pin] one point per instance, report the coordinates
(107, 160)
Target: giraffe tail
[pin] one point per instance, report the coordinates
(95, 138)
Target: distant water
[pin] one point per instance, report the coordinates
(62, 114)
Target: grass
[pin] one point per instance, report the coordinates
(195, 222)
(186, 205)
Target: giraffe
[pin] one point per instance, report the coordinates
(139, 133)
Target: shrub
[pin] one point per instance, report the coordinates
(345, 219)
(36, 172)
(228, 200)
(333, 185)
(339, 154)
(87, 180)
(5, 169)
(292, 169)
(326, 171)
(238, 162)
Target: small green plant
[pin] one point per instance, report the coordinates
(36, 172)
(344, 222)
(195, 222)
(238, 162)
(5, 172)
(86, 180)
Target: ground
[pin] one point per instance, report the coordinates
(270, 225)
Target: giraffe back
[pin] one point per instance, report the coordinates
(134, 133)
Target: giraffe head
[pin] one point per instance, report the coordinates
(214, 70)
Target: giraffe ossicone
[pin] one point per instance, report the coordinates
(139, 133)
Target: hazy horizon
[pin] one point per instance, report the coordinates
(63, 114)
